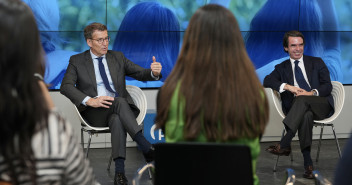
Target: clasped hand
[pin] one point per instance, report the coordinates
(299, 92)
(101, 101)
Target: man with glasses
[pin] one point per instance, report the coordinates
(95, 83)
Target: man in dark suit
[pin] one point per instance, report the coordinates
(95, 83)
(305, 87)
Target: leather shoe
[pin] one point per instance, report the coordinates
(308, 172)
(277, 150)
(120, 179)
(271, 147)
(150, 155)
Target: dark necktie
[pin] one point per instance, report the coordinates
(104, 76)
(302, 83)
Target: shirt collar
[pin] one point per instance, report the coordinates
(293, 60)
(94, 56)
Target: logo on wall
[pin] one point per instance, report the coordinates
(152, 134)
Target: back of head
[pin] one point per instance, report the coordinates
(149, 29)
(22, 104)
(217, 79)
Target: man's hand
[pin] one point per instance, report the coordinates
(155, 67)
(101, 101)
(295, 90)
(305, 93)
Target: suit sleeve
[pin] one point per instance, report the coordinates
(273, 80)
(137, 72)
(68, 85)
(323, 77)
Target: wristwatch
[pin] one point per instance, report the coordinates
(315, 93)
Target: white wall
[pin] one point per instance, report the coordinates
(273, 131)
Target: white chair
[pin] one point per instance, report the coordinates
(291, 176)
(338, 94)
(319, 179)
(139, 100)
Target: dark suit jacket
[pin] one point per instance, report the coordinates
(317, 73)
(80, 81)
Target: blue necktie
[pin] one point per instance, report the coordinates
(104, 77)
(302, 83)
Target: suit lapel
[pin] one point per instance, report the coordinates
(112, 69)
(308, 65)
(90, 69)
(289, 75)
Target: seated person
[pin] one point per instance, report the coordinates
(95, 82)
(305, 88)
(37, 146)
(344, 166)
(316, 18)
(213, 93)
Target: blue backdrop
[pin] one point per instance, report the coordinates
(142, 29)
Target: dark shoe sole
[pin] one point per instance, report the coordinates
(280, 154)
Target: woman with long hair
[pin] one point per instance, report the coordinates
(213, 93)
(36, 145)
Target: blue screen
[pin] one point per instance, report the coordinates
(142, 29)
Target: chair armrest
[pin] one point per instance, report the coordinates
(291, 177)
(319, 179)
(140, 172)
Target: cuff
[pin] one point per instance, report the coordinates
(85, 100)
(281, 90)
(155, 77)
(316, 91)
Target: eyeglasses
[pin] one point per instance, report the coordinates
(101, 40)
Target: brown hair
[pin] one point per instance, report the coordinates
(88, 30)
(292, 33)
(23, 109)
(218, 80)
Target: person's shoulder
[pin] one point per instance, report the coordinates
(314, 61)
(311, 58)
(58, 124)
(80, 54)
(283, 63)
(115, 53)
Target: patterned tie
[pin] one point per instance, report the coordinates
(104, 77)
(302, 83)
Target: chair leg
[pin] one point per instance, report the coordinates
(321, 135)
(89, 140)
(277, 160)
(337, 142)
(150, 173)
(110, 160)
